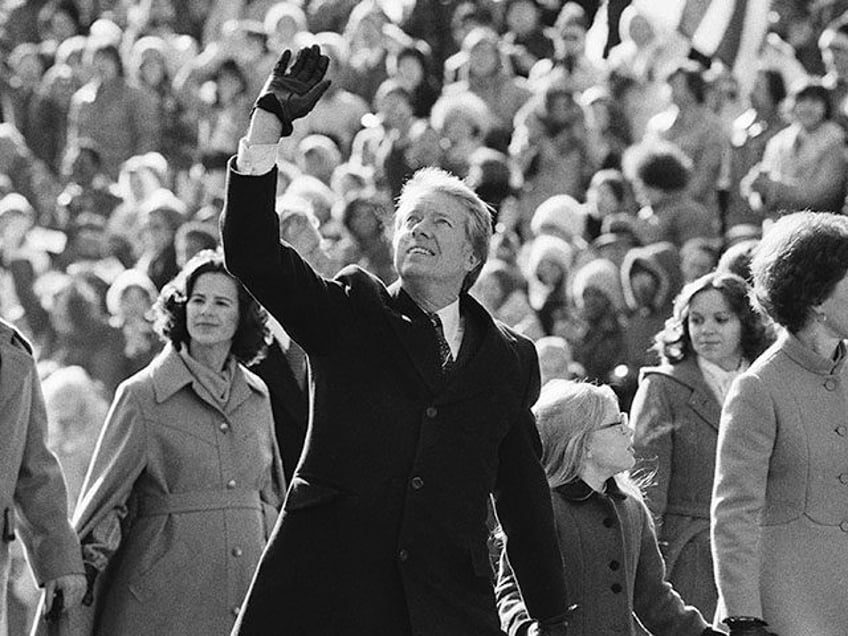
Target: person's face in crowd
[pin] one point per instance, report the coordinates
(134, 304)
(230, 86)
(61, 26)
(156, 233)
(28, 69)
(553, 363)
(431, 241)
(90, 242)
(641, 31)
(152, 69)
(602, 200)
(809, 113)
(715, 331)
(284, 33)
(573, 39)
(835, 310)
(563, 109)
(680, 94)
(370, 30)
(396, 111)
(424, 147)
(522, 18)
(835, 55)
(364, 223)
(596, 305)
(212, 310)
(104, 66)
(695, 263)
(609, 449)
(459, 128)
(483, 59)
(645, 286)
(60, 314)
(549, 272)
(409, 71)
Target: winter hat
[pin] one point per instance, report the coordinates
(560, 214)
(601, 274)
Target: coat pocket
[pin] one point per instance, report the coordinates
(305, 494)
(161, 575)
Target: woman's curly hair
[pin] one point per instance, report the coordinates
(250, 339)
(674, 343)
(798, 264)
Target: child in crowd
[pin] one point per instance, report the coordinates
(608, 542)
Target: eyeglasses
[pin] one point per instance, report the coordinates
(622, 425)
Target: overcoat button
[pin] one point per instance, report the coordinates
(231, 484)
(614, 565)
(844, 526)
(843, 478)
(608, 522)
(235, 611)
(416, 483)
(403, 555)
(616, 588)
(830, 384)
(841, 431)
(236, 552)
(431, 412)
(223, 427)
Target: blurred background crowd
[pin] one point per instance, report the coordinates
(623, 155)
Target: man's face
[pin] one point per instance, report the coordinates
(431, 241)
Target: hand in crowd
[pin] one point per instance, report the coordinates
(73, 588)
(291, 93)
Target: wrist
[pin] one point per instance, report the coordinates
(265, 127)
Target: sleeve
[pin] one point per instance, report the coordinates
(119, 458)
(523, 503)
(40, 493)
(514, 618)
(312, 309)
(656, 603)
(745, 443)
(653, 439)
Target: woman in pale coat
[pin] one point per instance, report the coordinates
(609, 548)
(780, 511)
(186, 479)
(712, 336)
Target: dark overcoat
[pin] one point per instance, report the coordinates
(384, 527)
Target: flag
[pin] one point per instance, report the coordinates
(728, 30)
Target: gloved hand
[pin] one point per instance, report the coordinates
(290, 93)
(747, 626)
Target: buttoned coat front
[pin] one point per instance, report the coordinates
(384, 527)
(188, 493)
(33, 499)
(780, 503)
(615, 569)
(676, 417)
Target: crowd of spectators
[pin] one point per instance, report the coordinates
(614, 177)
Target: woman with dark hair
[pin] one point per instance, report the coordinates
(804, 164)
(412, 68)
(712, 336)
(186, 480)
(779, 508)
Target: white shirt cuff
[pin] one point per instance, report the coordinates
(255, 159)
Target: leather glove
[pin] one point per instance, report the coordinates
(747, 626)
(290, 93)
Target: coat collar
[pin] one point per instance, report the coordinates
(579, 491)
(701, 399)
(169, 375)
(808, 358)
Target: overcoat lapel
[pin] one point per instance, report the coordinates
(11, 375)
(415, 333)
(702, 400)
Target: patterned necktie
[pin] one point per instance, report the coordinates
(445, 354)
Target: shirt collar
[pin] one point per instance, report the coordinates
(579, 490)
(451, 325)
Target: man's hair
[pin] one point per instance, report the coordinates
(478, 227)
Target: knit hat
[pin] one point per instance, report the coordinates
(601, 274)
(561, 213)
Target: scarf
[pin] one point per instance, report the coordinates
(215, 385)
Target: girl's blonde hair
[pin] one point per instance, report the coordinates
(566, 414)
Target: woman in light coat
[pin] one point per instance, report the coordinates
(780, 512)
(609, 548)
(712, 336)
(186, 479)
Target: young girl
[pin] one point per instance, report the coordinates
(609, 548)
